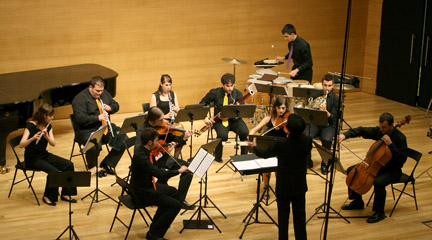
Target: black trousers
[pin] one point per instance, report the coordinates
(185, 178)
(383, 178)
(115, 154)
(51, 164)
(166, 198)
(298, 203)
(238, 126)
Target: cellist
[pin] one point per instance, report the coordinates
(389, 173)
(155, 119)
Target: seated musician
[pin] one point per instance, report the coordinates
(166, 100)
(89, 116)
(225, 95)
(279, 113)
(150, 193)
(291, 184)
(389, 173)
(330, 105)
(37, 134)
(155, 119)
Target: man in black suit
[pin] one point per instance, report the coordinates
(291, 185)
(149, 192)
(90, 113)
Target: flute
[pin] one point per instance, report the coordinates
(108, 121)
(40, 136)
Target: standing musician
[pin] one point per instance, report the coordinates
(389, 173)
(37, 134)
(300, 53)
(280, 114)
(90, 113)
(291, 184)
(150, 193)
(166, 100)
(330, 105)
(155, 119)
(221, 96)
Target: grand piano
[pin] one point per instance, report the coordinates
(21, 93)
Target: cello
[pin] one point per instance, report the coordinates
(360, 179)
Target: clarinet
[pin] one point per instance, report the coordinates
(170, 107)
(108, 121)
(40, 137)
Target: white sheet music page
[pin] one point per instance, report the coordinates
(194, 165)
(246, 165)
(204, 166)
(267, 162)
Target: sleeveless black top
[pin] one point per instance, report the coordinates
(33, 150)
(274, 132)
(164, 105)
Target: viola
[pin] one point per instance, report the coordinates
(281, 122)
(177, 128)
(360, 179)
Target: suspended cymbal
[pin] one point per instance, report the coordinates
(346, 87)
(233, 61)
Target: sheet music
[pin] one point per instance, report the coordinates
(201, 162)
(91, 137)
(268, 162)
(193, 166)
(255, 164)
(205, 164)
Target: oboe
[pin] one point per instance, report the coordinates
(108, 121)
(40, 136)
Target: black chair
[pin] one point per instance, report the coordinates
(21, 166)
(126, 199)
(405, 179)
(79, 145)
(145, 107)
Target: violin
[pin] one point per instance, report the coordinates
(360, 179)
(281, 122)
(177, 128)
(163, 147)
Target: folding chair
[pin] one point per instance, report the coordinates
(145, 107)
(127, 201)
(21, 166)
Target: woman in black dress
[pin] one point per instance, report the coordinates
(37, 134)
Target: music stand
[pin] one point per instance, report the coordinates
(257, 205)
(236, 111)
(271, 89)
(327, 156)
(93, 141)
(191, 113)
(202, 162)
(69, 179)
(302, 92)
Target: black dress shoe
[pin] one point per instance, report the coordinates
(71, 200)
(376, 217)
(110, 170)
(187, 206)
(219, 160)
(353, 205)
(324, 169)
(150, 236)
(47, 203)
(102, 173)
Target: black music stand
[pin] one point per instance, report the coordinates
(190, 114)
(202, 162)
(264, 142)
(327, 158)
(69, 179)
(236, 111)
(271, 89)
(315, 117)
(257, 205)
(93, 141)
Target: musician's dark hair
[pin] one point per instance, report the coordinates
(97, 80)
(43, 111)
(289, 28)
(327, 77)
(154, 113)
(386, 117)
(279, 101)
(227, 78)
(164, 78)
(148, 134)
(296, 125)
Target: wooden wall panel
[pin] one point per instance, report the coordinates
(143, 39)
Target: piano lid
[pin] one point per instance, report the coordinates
(28, 85)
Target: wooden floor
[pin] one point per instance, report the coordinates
(22, 218)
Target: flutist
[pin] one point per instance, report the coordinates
(92, 108)
(330, 105)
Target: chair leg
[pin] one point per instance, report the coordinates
(143, 217)
(31, 180)
(13, 182)
(82, 155)
(393, 191)
(415, 197)
(130, 224)
(367, 204)
(115, 216)
(400, 195)
(73, 147)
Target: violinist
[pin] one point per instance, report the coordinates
(389, 173)
(166, 100)
(219, 97)
(279, 116)
(330, 105)
(155, 119)
(291, 184)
